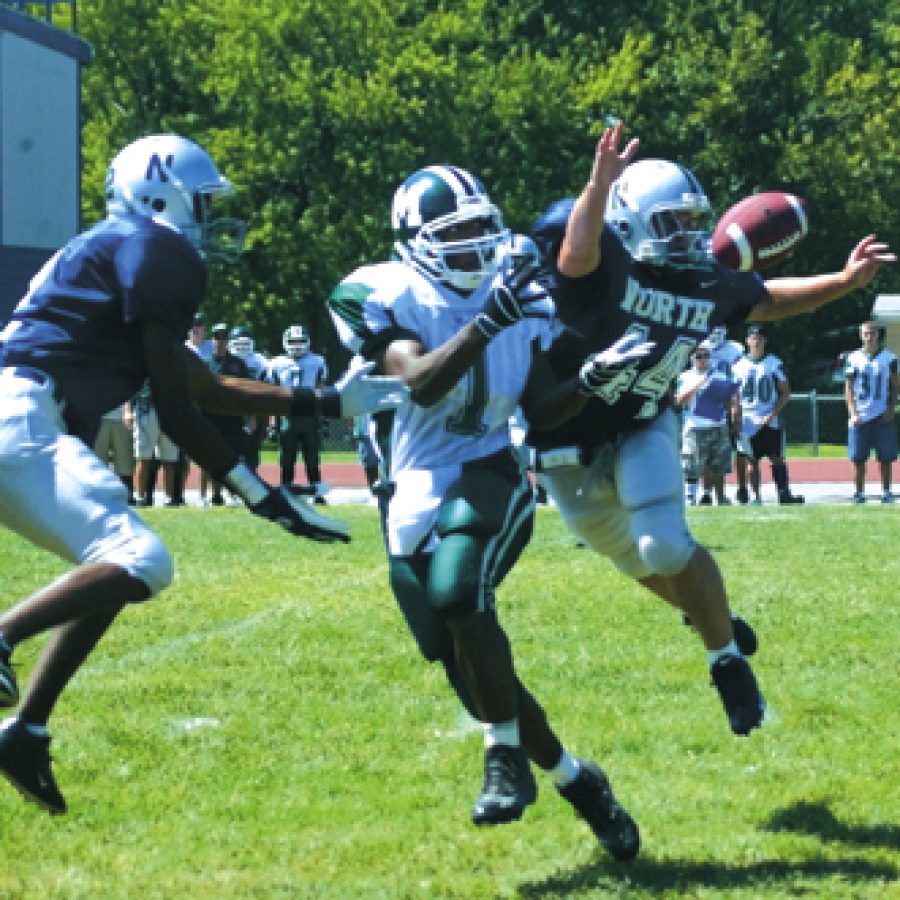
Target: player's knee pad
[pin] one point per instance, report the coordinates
(458, 583)
(144, 556)
(661, 537)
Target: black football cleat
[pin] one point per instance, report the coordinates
(785, 498)
(739, 692)
(592, 798)
(508, 788)
(25, 762)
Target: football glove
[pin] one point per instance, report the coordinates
(599, 368)
(357, 392)
(513, 289)
(294, 514)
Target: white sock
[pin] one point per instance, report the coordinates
(506, 733)
(565, 771)
(730, 649)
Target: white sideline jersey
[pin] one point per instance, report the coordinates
(759, 380)
(308, 370)
(378, 303)
(871, 380)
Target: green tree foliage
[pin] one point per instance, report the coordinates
(317, 111)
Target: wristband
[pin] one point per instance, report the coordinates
(486, 325)
(244, 482)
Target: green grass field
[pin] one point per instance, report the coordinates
(266, 729)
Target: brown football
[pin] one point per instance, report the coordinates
(760, 230)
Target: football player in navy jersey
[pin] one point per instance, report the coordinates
(631, 255)
(108, 311)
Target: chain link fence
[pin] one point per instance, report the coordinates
(810, 418)
(816, 419)
(337, 434)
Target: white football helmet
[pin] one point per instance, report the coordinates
(662, 215)
(295, 341)
(428, 209)
(173, 181)
(241, 341)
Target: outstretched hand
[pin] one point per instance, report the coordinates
(866, 258)
(609, 162)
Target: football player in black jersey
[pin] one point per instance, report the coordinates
(631, 255)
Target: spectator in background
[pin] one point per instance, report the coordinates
(298, 366)
(197, 339)
(764, 393)
(114, 445)
(870, 389)
(706, 397)
(150, 442)
(224, 362)
(724, 353)
(202, 346)
(243, 345)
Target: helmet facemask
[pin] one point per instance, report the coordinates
(241, 342)
(295, 341)
(465, 262)
(445, 224)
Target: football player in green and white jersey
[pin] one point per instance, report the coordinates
(457, 315)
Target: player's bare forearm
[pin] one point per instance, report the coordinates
(429, 375)
(227, 395)
(794, 296)
(580, 250)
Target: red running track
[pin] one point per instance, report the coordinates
(802, 471)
